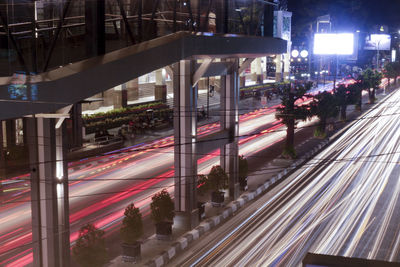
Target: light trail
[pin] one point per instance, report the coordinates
(345, 208)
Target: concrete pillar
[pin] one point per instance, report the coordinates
(49, 193)
(132, 88)
(259, 73)
(278, 73)
(2, 155)
(230, 122)
(286, 60)
(120, 96)
(160, 88)
(10, 133)
(253, 71)
(77, 124)
(185, 134)
(242, 75)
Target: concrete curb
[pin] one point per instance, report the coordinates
(205, 226)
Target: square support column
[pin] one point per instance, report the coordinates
(10, 133)
(160, 88)
(120, 96)
(132, 88)
(185, 134)
(49, 193)
(229, 117)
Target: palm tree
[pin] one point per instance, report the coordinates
(290, 113)
(343, 98)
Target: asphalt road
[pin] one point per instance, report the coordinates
(101, 190)
(343, 202)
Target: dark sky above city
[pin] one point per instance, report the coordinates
(347, 14)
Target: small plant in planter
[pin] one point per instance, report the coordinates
(202, 188)
(131, 232)
(90, 249)
(217, 180)
(243, 170)
(162, 212)
(202, 184)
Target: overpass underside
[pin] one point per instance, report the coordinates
(48, 97)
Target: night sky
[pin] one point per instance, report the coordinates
(347, 14)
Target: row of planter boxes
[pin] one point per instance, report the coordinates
(162, 114)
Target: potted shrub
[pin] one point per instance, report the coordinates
(243, 170)
(202, 188)
(90, 248)
(217, 180)
(162, 212)
(131, 231)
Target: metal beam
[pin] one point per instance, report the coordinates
(54, 41)
(200, 71)
(245, 64)
(128, 27)
(13, 42)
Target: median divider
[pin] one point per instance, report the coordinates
(185, 240)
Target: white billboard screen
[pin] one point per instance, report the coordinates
(378, 42)
(333, 44)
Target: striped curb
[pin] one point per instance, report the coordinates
(205, 226)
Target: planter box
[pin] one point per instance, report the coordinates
(131, 252)
(164, 230)
(217, 198)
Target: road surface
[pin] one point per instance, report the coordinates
(343, 202)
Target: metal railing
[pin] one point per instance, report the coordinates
(42, 42)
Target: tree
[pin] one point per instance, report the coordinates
(90, 249)
(392, 70)
(343, 99)
(371, 79)
(355, 92)
(289, 113)
(162, 207)
(324, 106)
(132, 225)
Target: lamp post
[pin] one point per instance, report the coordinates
(377, 55)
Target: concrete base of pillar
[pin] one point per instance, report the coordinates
(234, 193)
(186, 220)
(278, 77)
(286, 76)
(160, 93)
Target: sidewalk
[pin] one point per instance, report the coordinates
(268, 174)
(245, 106)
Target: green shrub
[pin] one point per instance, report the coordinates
(217, 179)
(162, 207)
(132, 225)
(202, 184)
(90, 249)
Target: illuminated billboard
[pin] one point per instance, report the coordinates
(378, 42)
(333, 44)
